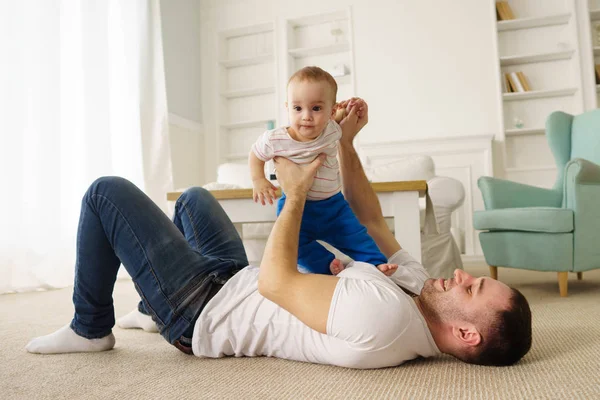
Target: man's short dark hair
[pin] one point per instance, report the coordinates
(509, 336)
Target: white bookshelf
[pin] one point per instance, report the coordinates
(542, 42)
(539, 94)
(536, 57)
(253, 60)
(533, 22)
(249, 92)
(320, 50)
(324, 40)
(247, 124)
(246, 88)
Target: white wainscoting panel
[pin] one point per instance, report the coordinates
(464, 158)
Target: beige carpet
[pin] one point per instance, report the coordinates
(564, 362)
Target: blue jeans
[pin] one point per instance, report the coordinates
(176, 266)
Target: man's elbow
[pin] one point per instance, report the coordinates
(264, 288)
(274, 287)
(269, 288)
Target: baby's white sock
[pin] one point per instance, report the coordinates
(65, 340)
(136, 319)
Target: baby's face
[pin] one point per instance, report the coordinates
(310, 107)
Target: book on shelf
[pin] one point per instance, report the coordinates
(597, 69)
(516, 82)
(524, 81)
(503, 11)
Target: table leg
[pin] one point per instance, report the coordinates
(407, 222)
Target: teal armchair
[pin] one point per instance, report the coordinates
(554, 229)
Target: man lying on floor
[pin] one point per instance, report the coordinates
(196, 287)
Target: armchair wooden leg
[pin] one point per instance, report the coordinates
(579, 276)
(563, 278)
(494, 272)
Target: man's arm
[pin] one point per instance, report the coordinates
(356, 187)
(306, 296)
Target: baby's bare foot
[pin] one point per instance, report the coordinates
(336, 267)
(387, 269)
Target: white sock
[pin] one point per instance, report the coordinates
(136, 319)
(65, 340)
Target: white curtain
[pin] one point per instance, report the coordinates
(82, 95)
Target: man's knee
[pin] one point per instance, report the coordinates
(107, 183)
(196, 196)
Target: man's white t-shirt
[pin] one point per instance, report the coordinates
(372, 323)
(278, 142)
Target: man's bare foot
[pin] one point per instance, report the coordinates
(336, 267)
(387, 269)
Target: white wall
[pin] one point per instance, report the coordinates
(180, 21)
(181, 45)
(428, 68)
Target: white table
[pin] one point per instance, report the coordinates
(399, 200)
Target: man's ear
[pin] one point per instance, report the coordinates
(466, 334)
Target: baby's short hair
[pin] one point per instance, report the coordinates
(315, 74)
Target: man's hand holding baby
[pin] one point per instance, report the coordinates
(295, 179)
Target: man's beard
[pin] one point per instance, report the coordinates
(439, 306)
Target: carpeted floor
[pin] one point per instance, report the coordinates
(564, 362)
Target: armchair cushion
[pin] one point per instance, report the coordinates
(530, 219)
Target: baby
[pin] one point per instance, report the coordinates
(314, 116)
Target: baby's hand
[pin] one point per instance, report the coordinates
(340, 113)
(387, 269)
(263, 190)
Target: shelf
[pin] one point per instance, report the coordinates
(595, 14)
(246, 31)
(247, 124)
(538, 94)
(534, 58)
(531, 169)
(535, 22)
(525, 131)
(248, 92)
(260, 59)
(321, 50)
